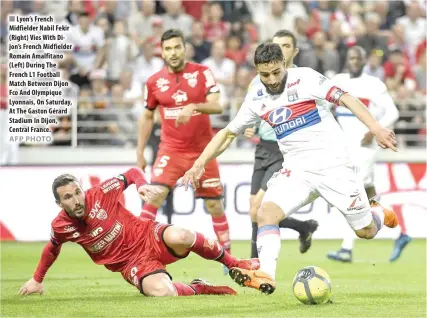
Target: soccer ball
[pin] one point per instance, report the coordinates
(312, 285)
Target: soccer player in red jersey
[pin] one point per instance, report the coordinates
(112, 236)
(186, 94)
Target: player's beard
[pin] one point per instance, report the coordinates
(278, 90)
(76, 213)
(178, 67)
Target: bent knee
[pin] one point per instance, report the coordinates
(179, 236)
(214, 207)
(160, 289)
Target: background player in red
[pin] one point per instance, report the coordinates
(186, 93)
(112, 236)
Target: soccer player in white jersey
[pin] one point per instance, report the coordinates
(373, 93)
(269, 159)
(316, 159)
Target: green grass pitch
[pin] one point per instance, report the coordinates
(369, 287)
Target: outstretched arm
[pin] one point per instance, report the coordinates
(136, 176)
(48, 257)
(246, 117)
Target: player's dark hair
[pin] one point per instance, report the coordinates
(61, 181)
(286, 34)
(172, 33)
(267, 53)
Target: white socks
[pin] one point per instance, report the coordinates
(378, 216)
(268, 244)
(348, 241)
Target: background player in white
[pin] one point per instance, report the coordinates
(269, 159)
(316, 160)
(373, 93)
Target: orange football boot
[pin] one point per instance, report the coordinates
(253, 279)
(390, 217)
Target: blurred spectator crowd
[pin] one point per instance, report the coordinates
(117, 47)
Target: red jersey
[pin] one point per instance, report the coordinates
(109, 233)
(172, 91)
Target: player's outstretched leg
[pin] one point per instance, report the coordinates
(268, 243)
(160, 285)
(380, 216)
(182, 241)
(345, 253)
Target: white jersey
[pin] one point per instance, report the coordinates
(308, 135)
(373, 93)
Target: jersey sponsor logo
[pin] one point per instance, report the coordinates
(110, 185)
(210, 80)
(293, 83)
(173, 112)
(180, 97)
(107, 239)
(191, 78)
(162, 84)
(286, 120)
(76, 234)
(279, 115)
(96, 232)
(356, 203)
(259, 93)
(69, 228)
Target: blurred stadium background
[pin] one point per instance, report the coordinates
(108, 69)
(111, 62)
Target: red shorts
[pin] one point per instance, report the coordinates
(153, 259)
(170, 166)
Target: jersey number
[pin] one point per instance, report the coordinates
(163, 161)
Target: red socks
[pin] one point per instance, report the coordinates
(212, 250)
(149, 211)
(220, 225)
(184, 289)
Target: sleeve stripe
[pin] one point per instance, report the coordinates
(123, 178)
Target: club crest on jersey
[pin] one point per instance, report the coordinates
(279, 115)
(191, 78)
(180, 97)
(292, 96)
(162, 84)
(98, 212)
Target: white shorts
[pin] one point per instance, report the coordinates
(364, 160)
(340, 186)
